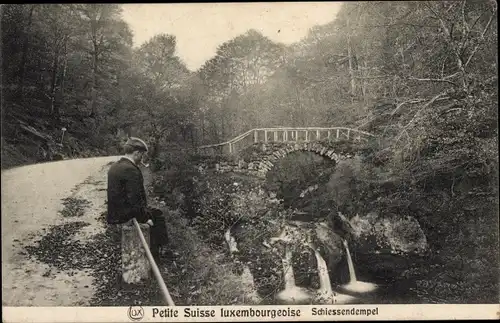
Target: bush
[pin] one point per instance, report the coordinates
(199, 275)
(221, 201)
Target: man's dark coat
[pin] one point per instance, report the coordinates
(126, 194)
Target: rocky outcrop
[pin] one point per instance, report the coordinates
(135, 264)
(396, 233)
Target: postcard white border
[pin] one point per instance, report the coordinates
(123, 314)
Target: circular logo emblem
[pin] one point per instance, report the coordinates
(135, 313)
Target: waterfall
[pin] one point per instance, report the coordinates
(231, 242)
(325, 293)
(354, 285)
(292, 294)
(289, 276)
(352, 272)
(324, 278)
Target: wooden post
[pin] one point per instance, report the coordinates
(329, 134)
(275, 136)
(307, 136)
(230, 148)
(255, 136)
(317, 134)
(338, 133)
(348, 131)
(265, 135)
(285, 135)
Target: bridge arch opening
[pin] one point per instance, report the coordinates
(271, 153)
(296, 175)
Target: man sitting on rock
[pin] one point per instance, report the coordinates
(127, 196)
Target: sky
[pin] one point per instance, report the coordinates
(200, 28)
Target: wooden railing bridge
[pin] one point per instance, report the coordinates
(285, 135)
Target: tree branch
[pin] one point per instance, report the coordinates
(372, 77)
(440, 96)
(398, 24)
(433, 80)
(481, 39)
(413, 101)
(450, 42)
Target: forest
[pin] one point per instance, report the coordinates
(421, 75)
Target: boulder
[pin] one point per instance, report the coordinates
(399, 234)
(135, 263)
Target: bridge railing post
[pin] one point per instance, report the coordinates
(255, 136)
(265, 135)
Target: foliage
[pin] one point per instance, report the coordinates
(224, 200)
(73, 66)
(199, 275)
(74, 207)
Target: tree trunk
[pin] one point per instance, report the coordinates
(300, 112)
(364, 79)
(349, 55)
(95, 54)
(203, 127)
(22, 67)
(93, 94)
(53, 81)
(63, 77)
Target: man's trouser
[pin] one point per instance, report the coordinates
(159, 236)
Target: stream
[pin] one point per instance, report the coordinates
(373, 278)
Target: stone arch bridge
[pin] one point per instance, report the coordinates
(256, 151)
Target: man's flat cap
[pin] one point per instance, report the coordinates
(136, 143)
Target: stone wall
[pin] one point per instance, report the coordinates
(260, 158)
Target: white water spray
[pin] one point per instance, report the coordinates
(325, 294)
(247, 278)
(354, 285)
(292, 294)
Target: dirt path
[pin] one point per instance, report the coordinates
(31, 201)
